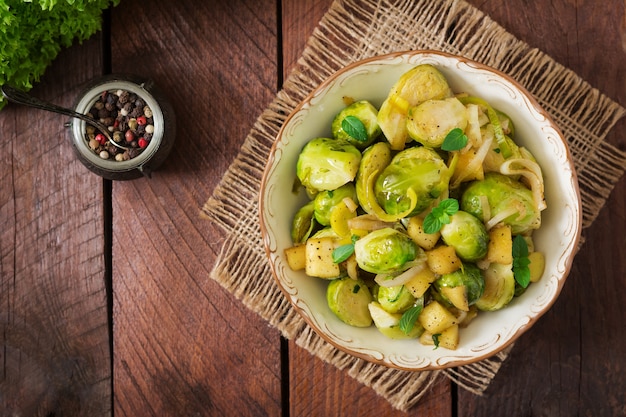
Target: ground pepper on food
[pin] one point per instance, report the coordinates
(128, 118)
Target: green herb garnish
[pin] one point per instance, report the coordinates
(409, 317)
(455, 140)
(354, 127)
(436, 337)
(440, 215)
(521, 272)
(32, 34)
(343, 252)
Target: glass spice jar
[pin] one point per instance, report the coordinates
(145, 127)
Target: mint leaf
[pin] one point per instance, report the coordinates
(354, 127)
(409, 317)
(343, 252)
(449, 206)
(454, 140)
(521, 271)
(440, 215)
(432, 224)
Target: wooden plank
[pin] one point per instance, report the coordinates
(320, 389)
(54, 357)
(299, 19)
(570, 363)
(183, 345)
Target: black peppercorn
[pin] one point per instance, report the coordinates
(103, 113)
(136, 112)
(123, 97)
(128, 118)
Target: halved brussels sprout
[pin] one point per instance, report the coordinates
(467, 235)
(424, 82)
(499, 287)
(348, 299)
(367, 115)
(469, 279)
(396, 299)
(385, 250)
(326, 200)
(303, 223)
(420, 169)
(327, 164)
(430, 122)
(508, 201)
(375, 159)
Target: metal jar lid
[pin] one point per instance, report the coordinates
(155, 152)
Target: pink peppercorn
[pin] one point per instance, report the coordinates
(142, 143)
(129, 135)
(141, 120)
(101, 138)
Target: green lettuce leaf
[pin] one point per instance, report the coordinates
(32, 33)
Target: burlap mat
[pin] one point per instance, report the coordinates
(353, 30)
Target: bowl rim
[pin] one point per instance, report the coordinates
(534, 104)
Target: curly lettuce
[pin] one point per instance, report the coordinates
(32, 33)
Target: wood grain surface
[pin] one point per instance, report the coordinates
(106, 305)
(180, 341)
(55, 353)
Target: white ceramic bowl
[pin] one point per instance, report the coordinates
(558, 236)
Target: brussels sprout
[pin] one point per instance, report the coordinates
(325, 201)
(348, 299)
(420, 169)
(469, 279)
(508, 200)
(366, 114)
(303, 223)
(467, 235)
(396, 299)
(421, 83)
(499, 287)
(375, 159)
(424, 82)
(327, 164)
(385, 250)
(429, 122)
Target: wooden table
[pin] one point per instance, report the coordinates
(106, 305)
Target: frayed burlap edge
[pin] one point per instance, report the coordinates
(353, 30)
